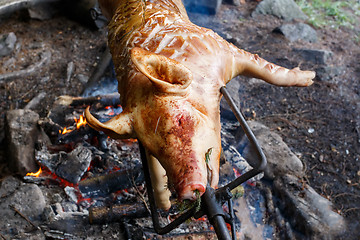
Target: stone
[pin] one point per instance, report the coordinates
(281, 160)
(43, 11)
(298, 31)
(284, 9)
(316, 56)
(202, 6)
(7, 44)
(28, 200)
(21, 132)
(328, 73)
(308, 212)
(9, 186)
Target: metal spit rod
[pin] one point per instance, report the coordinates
(212, 200)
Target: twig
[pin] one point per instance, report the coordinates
(2, 236)
(23, 216)
(45, 58)
(351, 209)
(286, 121)
(345, 194)
(142, 198)
(283, 114)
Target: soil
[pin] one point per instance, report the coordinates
(320, 123)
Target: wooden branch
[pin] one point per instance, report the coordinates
(112, 99)
(112, 182)
(35, 101)
(99, 70)
(45, 59)
(23, 216)
(101, 215)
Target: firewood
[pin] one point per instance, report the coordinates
(105, 100)
(100, 215)
(112, 182)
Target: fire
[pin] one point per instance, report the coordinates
(237, 173)
(65, 130)
(37, 174)
(111, 111)
(79, 122)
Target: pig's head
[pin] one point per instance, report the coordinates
(174, 127)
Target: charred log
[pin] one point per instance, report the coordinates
(101, 215)
(106, 184)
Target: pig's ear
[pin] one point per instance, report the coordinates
(119, 126)
(167, 75)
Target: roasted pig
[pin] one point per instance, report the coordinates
(170, 72)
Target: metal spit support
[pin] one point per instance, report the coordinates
(212, 200)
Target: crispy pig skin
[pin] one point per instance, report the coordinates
(170, 72)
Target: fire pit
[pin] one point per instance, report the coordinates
(100, 181)
(105, 176)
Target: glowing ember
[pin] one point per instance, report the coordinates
(37, 174)
(110, 111)
(237, 173)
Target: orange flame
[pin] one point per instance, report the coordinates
(65, 130)
(111, 111)
(237, 173)
(80, 122)
(37, 174)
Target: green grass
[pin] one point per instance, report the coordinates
(331, 13)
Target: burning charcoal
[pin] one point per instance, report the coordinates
(49, 213)
(70, 207)
(33, 179)
(51, 128)
(46, 159)
(101, 215)
(54, 234)
(73, 165)
(71, 192)
(21, 131)
(112, 182)
(69, 166)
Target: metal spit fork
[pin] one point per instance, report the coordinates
(212, 200)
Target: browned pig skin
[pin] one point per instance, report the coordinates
(170, 72)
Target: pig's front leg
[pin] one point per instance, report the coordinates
(159, 182)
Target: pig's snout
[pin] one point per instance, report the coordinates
(191, 190)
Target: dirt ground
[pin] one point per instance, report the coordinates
(321, 123)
